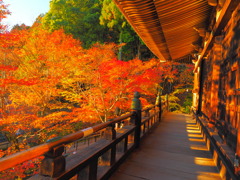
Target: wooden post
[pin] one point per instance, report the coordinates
(159, 104)
(93, 168)
(200, 93)
(125, 144)
(237, 155)
(54, 163)
(110, 133)
(114, 149)
(109, 157)
(137, 108)
(167, 102)
(83, 174)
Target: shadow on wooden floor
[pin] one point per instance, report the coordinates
(175, 150)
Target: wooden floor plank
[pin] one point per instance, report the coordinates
(173, 151)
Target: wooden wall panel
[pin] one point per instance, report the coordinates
(221, 97)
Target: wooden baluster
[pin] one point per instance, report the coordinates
(159, 105)
(167, 103)
(144, 128)
(54, 163)
(93, 168)
(109, 157)
(114, 149)
(125, 144)
(151, 120)
(148, 125)
(110, 133)
(160, 108)
(147, 114)
(88, 140)
(83, 174)
(137, 108)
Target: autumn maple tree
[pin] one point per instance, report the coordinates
(44, 91)
(3, 14)
(50, 81)
(103, 83)
(50, 86)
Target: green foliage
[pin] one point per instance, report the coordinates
(173, 101)
(115, 21)
(111, 16)
(187, 103)
(77, 17)
(180, 100)
(174, 107)
(92, 21)
(180, 96)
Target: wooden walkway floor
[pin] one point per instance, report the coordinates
(175, 150)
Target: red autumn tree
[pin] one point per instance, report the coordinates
(40, 69)
(49, 84)
(3, 14)
(103, 85)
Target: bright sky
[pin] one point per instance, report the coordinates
(25, 11)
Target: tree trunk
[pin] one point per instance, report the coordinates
(139, 49)
(120, 49)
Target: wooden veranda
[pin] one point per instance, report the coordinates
(176, 149)
(207, 32)
(205, 146)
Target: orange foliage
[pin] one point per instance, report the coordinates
(62, 83)
(50, 85)
(3, 13)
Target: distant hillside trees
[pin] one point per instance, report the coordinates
(92, 21)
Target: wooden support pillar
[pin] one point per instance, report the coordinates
(109, 157)
(216, 60)
(237, 167)
(237, 155)
(195, 91)
(200, 93)
(54, 163)
(167, 102)
(159, 104)
(137, 116)
(93, 167)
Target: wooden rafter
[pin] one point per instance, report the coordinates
(224, 17)
(167, 26)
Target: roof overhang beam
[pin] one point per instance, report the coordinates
(221, 22)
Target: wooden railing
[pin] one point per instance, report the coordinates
(223, 156)
(119, 137)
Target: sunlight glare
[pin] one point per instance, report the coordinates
(192, 125)
(191, 121)
(195, 135)
(196, 140)
(199, 147)
(204, 161)
(208, 176)
(193, 131)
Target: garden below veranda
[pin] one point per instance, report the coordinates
(51, 86)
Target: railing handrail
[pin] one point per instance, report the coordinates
(148, 108)
(31, 153)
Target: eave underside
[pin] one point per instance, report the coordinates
(167, 26)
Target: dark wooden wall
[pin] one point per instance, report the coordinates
(221, 82)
